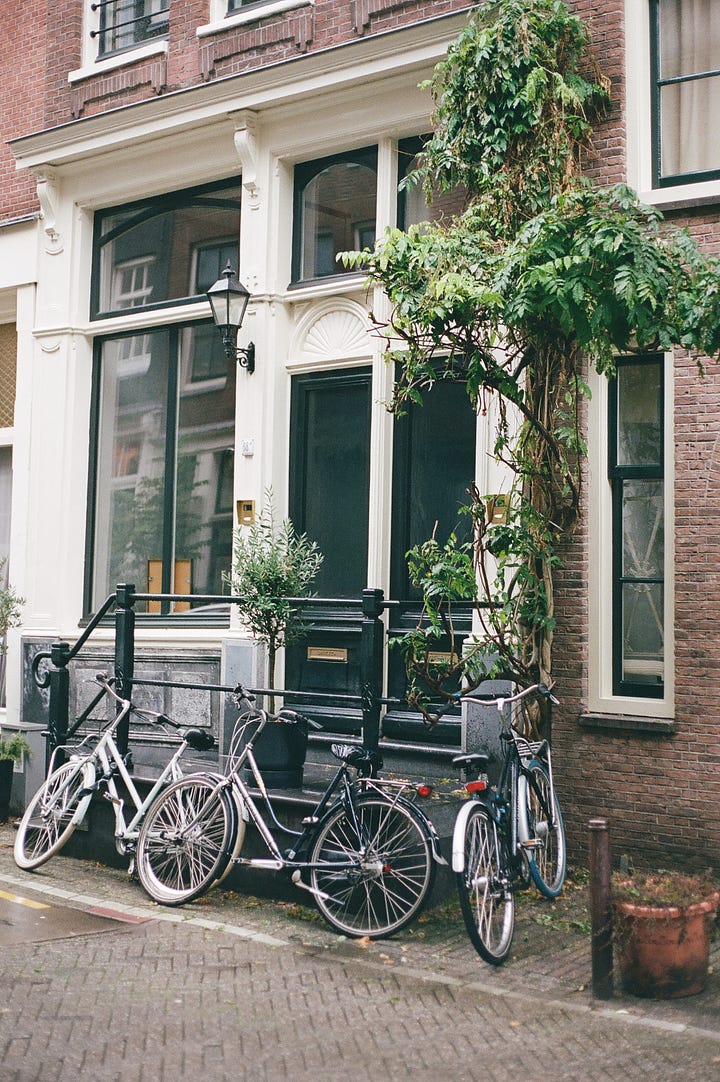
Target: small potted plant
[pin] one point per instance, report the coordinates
(273, 564)
(12, 748)
(662, 922)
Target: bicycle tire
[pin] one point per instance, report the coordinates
(53, 813)
(486, 899)
(394, 871)
(546, 861)
(186, 840)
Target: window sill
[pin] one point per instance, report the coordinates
(121, 60)
(683, 195)
(251, 15)
(627, 724)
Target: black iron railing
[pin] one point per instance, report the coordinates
(124, 23)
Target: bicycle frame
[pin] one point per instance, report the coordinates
(106, 754)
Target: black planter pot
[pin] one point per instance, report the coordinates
(280, 754)
(6, 779)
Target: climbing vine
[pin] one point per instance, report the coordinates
(543, 273)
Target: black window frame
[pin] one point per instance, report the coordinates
(657, 84)
(618, 474)
(304, 173)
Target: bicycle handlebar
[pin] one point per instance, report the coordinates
(542, 690)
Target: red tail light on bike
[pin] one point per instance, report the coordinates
(476, 786)
(424, 790)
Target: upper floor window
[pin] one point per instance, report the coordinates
(413, 205)
(163, 250)
(335, 201)
(685, 37)
(636, 472)
(124, 24)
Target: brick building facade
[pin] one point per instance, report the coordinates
(139, 142)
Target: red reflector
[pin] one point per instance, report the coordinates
(476, 786)
(424, 790)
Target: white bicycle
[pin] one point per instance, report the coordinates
(95, 765)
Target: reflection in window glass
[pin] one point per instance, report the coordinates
(636, 475)
(165, 249)
(125, 23)
(335, 200)
(162, 460)
(413, 206)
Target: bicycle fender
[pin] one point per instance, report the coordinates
(458, 841)
(430, 830)
(88, 772)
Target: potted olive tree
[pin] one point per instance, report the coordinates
(662, 923)
(273, 567)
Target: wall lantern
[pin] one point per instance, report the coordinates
(228, 301)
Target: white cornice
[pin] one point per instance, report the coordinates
(416, 48)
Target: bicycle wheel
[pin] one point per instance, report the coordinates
(53, 813)
(388, 870)
(486, 899)
(186, 839)
(546, 833)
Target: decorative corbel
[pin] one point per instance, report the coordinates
(49, 196)
(247, 151)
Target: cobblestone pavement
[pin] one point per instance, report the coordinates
(240, 987)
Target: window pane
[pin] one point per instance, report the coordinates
(130, 479)
(164, 509)
(639, 431)
(643, 529)
(203, 486)
(412, 204)
(124, 23)
(165, 249)
(642, 620)
(689, 50)
(335, 212)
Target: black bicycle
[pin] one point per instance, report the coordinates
(366, 852)
(509, 835)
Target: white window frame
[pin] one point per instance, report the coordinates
(600, 571)
(219, 18)
(93, 65)
(638, 114)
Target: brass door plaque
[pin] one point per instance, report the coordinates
(326, 653)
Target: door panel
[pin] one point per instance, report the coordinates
(433, 466)
(329, 493)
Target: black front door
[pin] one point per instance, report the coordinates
(329, 493)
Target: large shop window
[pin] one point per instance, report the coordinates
(636, 453)
(685, 38)
(124, 24)
(164, 250)
(334, 211)
(160, 506)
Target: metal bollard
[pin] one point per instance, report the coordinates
(600, 909)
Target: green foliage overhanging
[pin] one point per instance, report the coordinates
(542, 273)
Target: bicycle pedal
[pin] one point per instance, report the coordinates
(533, 843)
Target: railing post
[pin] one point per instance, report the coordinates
(59, 706)
(601, 910)
(371, 666)
(124, 653)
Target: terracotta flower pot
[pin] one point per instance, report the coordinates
(663, 952)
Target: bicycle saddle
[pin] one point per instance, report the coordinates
(200, 739)
(477, 759)
(356, 756)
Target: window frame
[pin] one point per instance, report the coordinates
(99, 30)
(603, 701)
(618, 474)
(304, 173)
(656, 85)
